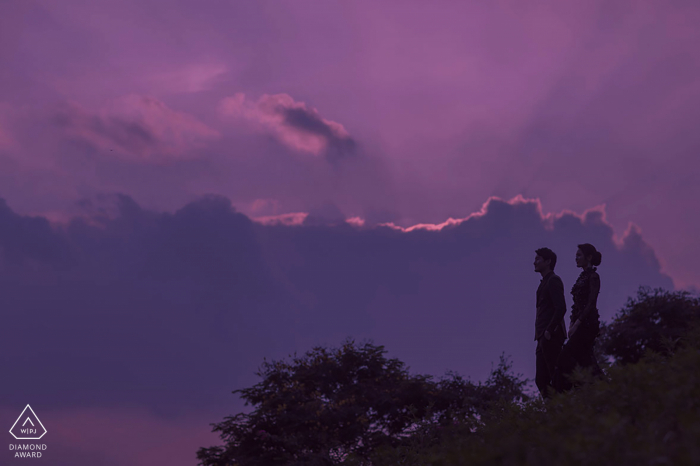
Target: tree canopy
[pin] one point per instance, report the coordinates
(354, 406)
(332, 405)
(653, 321)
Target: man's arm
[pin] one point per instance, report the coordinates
(556, 293)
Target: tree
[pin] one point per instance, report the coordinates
(656, 320)
(461, 400)
(645, 413)
(321, 407)
(336, 405)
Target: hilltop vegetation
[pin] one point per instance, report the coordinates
(353, 406)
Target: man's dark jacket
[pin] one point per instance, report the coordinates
(551, 307)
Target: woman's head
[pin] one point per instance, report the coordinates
(587, 256)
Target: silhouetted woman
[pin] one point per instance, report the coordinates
(585, 321)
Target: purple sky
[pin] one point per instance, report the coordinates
(133, 134)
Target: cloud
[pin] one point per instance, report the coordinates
(137, 128)
(295, 124)
(165, 159)
(463, 102)
(27, 239)
(169, 312)
(290, 219)
(188, 79)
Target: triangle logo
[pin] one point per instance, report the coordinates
(28, 426)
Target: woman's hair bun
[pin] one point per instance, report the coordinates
(589, 250)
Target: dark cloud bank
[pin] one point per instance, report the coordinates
(173, 311)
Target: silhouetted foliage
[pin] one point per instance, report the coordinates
(645, 413)
(342, 405)
(458, 399)
(352, 406)
(655, 321)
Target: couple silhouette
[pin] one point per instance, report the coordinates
(557, 358)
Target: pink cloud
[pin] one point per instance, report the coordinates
(459, 101)
(480, 213)
(591, 215)
(357, 222)
(295, 124)
(136, 127)
(261, 205)
(290, 219)
(189, 78)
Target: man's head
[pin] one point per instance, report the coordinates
(545, 260)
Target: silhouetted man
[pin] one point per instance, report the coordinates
(550, 330)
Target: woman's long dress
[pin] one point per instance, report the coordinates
(578, 350)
